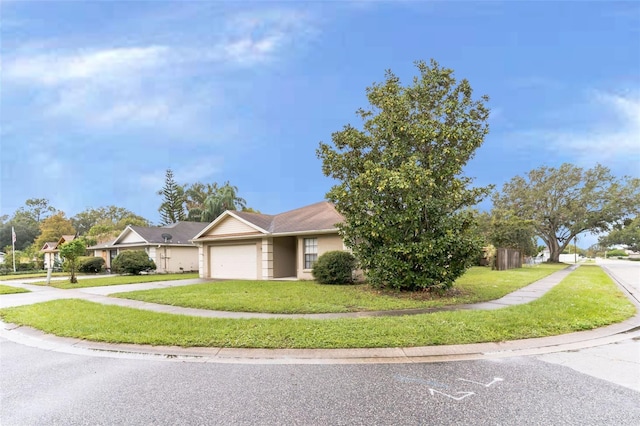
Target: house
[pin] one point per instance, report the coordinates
(256, 246)
(168, 246)
(2, 255)
(52, 252)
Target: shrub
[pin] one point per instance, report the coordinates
(617, 253)
(132, 262)
(91, 264)
(334, 267)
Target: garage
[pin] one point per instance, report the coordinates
(234, 261)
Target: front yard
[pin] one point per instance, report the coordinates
(586, 299)
(477, 285)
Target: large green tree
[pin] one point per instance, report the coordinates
(401, 188)
(172, 207)
(52, 228)
(569, 200)
(105, 223)
(26, 223)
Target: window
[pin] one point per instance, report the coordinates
(310, 252)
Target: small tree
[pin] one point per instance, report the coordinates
(334, 267)
(71, 252)
(132, 262)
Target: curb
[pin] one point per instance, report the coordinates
(628, 329)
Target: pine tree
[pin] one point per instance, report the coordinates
(172, 207)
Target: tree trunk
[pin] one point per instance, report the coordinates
(554, 251)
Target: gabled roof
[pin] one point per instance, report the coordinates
(320, 216)
(50, 245)
(181, 233)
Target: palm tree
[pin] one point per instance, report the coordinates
(225, 198)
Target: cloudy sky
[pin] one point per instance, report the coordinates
(99, 98)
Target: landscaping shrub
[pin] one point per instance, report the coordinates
(617, 253)
(132, 262)
(91, 264)
(334, 267)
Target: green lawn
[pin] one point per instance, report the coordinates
(477, 285)
(586, 299)
(117, 280)
(5, 289)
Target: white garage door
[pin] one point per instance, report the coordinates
(238, 261)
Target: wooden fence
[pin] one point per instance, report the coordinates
(507, 259)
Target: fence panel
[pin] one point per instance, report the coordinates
(508, 259)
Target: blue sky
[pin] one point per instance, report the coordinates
(98, 98)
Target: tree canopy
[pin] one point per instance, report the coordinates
(70, 252)
(401, 188)
(626, 234)
(224, 198)
(566, 201)
(54, 227)
(504, 229)
(26, 223)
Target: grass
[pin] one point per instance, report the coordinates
(5, 289)
(32, 275)
(477, 285)
(117, 280)
(586, 299)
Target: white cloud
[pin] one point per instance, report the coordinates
(55, 69)
(256, 37)
(612, 135)
(149, 86)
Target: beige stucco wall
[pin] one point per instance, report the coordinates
(326, 242)
(49, 259)
(171, 259)
(131, 237)
(284, 255)
(231, 226)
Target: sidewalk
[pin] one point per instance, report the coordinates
(629, 329)
(99, 295)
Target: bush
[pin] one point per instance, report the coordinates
(617, 253)
(132, 262)
(334, 267)
(90, 264)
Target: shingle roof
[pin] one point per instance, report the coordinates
(181, 232)
(320, 216)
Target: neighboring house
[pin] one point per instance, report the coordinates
(257, 246)
(168, 246)
(2, 255)
(52, 252)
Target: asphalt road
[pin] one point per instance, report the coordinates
(44, 388)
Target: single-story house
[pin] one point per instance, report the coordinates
(52, 252)
(168, 246)
(256, 246)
